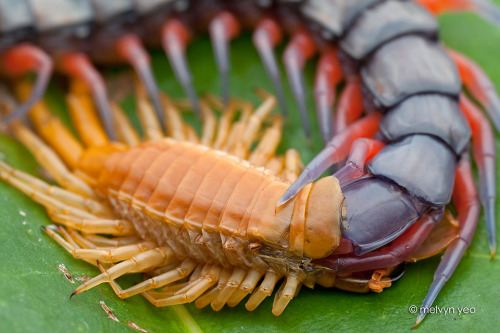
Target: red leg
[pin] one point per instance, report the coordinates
(483, 141)
(78, 65)
(328, 76)
(350, 105)
(20, 60)
(391, 255)
(466, 201)
(266, 36)
(486, 9)
(362, 150)
(130, 48)
(223, 28)
(175, 38)
(479, 85)
(440, 6)
(299, 50)
(336, 150)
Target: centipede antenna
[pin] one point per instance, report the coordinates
(222, 29)
(20, 60)
(78, 65)
(298, 51)
(266, 36)
(328, 75)
(336, 150)
(131, 49)
(175, 38)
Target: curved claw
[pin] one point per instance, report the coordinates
(336, 150)
(266, 36)
(20, 60)
(298, 51)
(175, 38)
(223, 28)
(131, 49)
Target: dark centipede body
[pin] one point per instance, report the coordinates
(390, 47)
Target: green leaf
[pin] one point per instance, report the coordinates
(34, 294)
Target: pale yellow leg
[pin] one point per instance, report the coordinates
(95, 226)
(224, 128)
(265, 289)
(268, 144)
(247, 286)
(93, 253)
(76, 237)
(229, 288)
(194, 289)
(285, 294)
(47, 201)
(174, 275)
(57, 193)
(209, 124)
(275, 165)
(173, 117)
(113, 242)
(210, 295)
(256, 119)
(234, 143)
(293, 165)
(139, 263)
(51, 129)
(85, 120)
(147, 117)
(125, 132)
(191, 134)
(49, 160)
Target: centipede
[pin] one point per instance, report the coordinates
(219, 214)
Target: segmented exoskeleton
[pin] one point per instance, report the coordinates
(386, 50)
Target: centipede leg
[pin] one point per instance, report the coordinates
(483, 141)
(336, 150)
(102, 255)
(48, 158)
(479, 85)
(298, 51)
(51, 129)
(20, 60)
(175, 37)
(350, 105)
(131, 50)
(486, 9)
(328, 76)
(465, 197)
(222, 29)
(361, 151)
(78, 65)
(266, 36)
(141, 262)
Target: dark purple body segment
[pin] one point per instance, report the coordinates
(407, 75)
